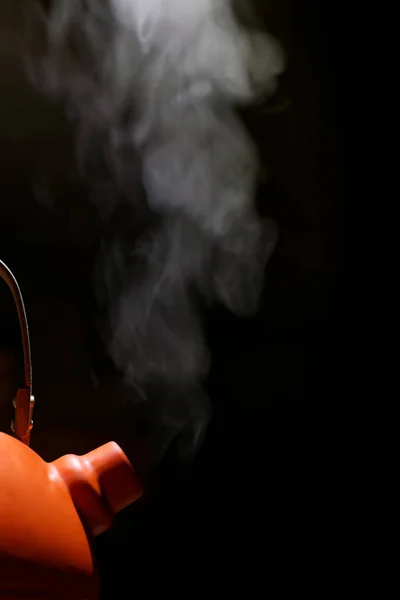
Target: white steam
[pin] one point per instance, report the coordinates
(152, 86)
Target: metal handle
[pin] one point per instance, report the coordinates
(24, 402)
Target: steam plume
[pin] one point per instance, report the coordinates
(152, 86)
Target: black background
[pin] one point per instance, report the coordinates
(260, 506)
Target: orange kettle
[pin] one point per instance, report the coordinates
(50, 512)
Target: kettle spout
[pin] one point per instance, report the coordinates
(101, 483)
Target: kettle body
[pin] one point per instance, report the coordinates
(49, 513)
